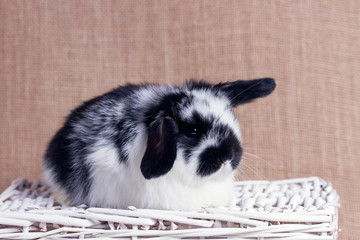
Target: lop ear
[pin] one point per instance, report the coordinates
(241, 91)
(160, 152)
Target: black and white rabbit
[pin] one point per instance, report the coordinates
(153, 146)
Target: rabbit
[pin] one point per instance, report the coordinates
(153, 146)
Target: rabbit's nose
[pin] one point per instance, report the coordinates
(226, 158)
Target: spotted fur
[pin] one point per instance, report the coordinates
(153, 146)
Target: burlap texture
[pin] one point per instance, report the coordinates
(56, 54)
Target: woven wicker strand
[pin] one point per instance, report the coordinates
(305, 208)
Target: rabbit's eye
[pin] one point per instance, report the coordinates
(192, 132)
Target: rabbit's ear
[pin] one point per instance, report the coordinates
(160, 153)
(241, 91)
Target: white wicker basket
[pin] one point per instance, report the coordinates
(288, 209)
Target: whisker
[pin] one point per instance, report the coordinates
(260, 158)
(241, 175)
(251, 168)
(201, 165)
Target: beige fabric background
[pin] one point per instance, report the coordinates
(56, 54)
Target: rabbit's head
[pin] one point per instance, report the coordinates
(194, 130)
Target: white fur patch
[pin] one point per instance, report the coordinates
(119, 185)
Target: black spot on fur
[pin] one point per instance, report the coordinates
(213, 157)
(188, 142)
(60, 157)
(123, 136)
(169, 106)
(202, 124)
